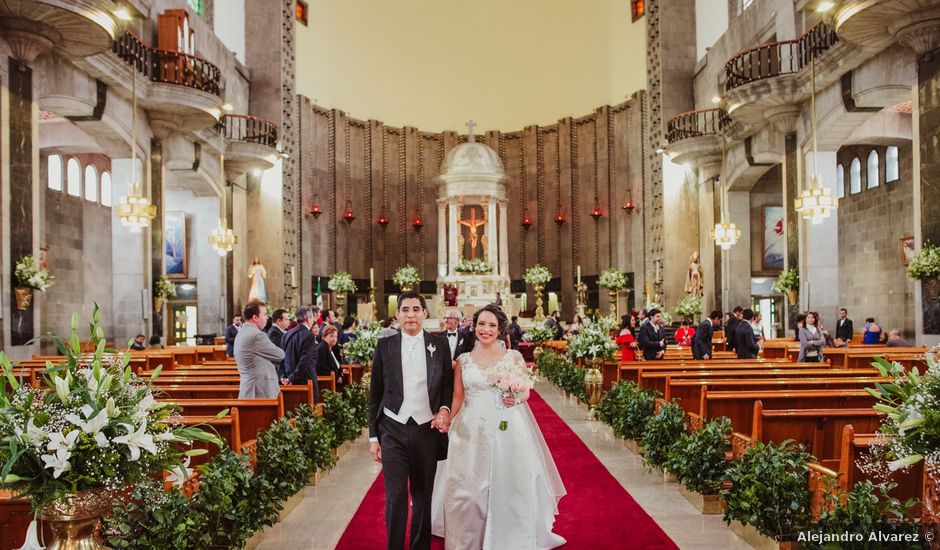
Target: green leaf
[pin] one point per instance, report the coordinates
(156, 373)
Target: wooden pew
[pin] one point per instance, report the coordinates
(632, 371)
(855, 446)
(739, 405)
(689, 391)
(254, 414)
(227, 428)
(183, 356)
(820, 430)
(293, 396)
(15, 515)
(658, 380)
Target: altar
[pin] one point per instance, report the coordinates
(473, 228)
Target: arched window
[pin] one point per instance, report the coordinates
(855, 176)
(840, 181)
(106, 189)
(91, 183)
(892, 172)
(874, 178)
(54, 172)
(74, 184)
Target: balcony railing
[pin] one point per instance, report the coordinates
(778, 58)
(169, 67)
(696, 124)
(248, 128)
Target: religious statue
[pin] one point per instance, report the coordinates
(473, 224)
(257, 273)
(693, 285)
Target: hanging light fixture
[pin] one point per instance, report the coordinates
(222, 238)
(315, 210)
(526, 220)
(383, 220)
(134, 209)
(417, 223)
(725, 233)
(596, 213)
(816, 202)
(348, 215)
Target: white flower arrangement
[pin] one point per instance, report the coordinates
(473, 266)
(407, 275)
(164, 288)
(690, 306)
(538, 274)
(788, 280)
(911, 401)
(602, 323)
(592, 343)
(612, 279)
(30, 275)
(924, 264)
(538, 334)
(342, 283)
(361, 348)
(92, 425)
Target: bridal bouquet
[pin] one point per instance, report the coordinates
(509, 379)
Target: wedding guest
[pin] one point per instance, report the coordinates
(389, 327)
(498, 301)
(812, 341)
(256, 356)
(138, 343)
(745, 344)
(872, 332)
(460, 342)
(300, 351)
(800, 323)
(554, 323)
(731, 328)
(230, 333)
(895, 340)
(684, 334)
(845, 330)
(702, 341)
(758, 328)
(577, 326)
(626, 341)
(281, 320)
(327, 360)
(515, 333)
(653, 337)
(348, 334)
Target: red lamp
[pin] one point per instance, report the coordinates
(383, 220)
(559, 218)
(417, 224)
(349, 216)
(596, 213)
(526, 221)
(315, 210)
(628, 206)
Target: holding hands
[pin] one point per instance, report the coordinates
(441, 421)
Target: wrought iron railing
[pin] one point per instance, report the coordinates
(248, 128)
(778, 58)
(169, 67)
(696, 124)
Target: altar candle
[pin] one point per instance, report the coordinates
(371, 278)
(579, 275)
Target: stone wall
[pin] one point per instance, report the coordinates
(871, 223)
(766, 192)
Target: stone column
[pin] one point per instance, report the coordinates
(737, 259)
(819, 273)
(503, 239)
(927, 187)
(156, 230)
(128, 261)
(452, 252)
(491, 235)
(441, 238)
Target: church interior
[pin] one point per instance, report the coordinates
(593, 169)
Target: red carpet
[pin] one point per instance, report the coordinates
(596, 513)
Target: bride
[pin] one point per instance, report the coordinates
(498, 489)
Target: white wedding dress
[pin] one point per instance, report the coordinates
(498, 490)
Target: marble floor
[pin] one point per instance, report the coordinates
(322, 515)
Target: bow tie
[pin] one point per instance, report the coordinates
(451, 334)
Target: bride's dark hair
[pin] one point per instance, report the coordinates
(501, 320)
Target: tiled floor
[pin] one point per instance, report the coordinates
(321, 517)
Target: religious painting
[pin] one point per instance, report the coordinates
(907, 249)
(174, 232)
(774, 241)
(472, 240)
(44, 257)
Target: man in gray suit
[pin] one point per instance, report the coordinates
(256, 356)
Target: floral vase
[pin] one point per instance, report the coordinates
(366, 381)
(931, 287)
(340, 302)
(594, 383)
(24, 296)
(613, 303)
(158, 303)
(539, 313)
(793, 296)
(75, 520)
(406, 288)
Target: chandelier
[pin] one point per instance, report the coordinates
(134, 209)
(816, 202)
(223, 239)
(725, 235)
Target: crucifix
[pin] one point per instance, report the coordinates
(472, 224)
(471, 125)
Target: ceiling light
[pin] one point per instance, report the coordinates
(123, 14)
(256, 172)
(227, 107)
(716, 99)
(824, 6)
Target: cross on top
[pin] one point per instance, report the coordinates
(471, 125)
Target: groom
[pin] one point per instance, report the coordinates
(409, 415)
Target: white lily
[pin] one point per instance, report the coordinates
(59, 442)
(137, 440)
(62, 389)
(112, 408)
(904, 462)
(32, 538)
(58, 462)
(178, 475)
(166, 436)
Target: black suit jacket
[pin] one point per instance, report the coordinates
(300, 357)
(386, 390)
(702, 341)
(730, 335)
(745, 344)
(326, 364)
(465, 343)
(845, 329)
(231, 332)
(650, 339)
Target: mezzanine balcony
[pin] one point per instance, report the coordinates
(252, 143)
(695, 136)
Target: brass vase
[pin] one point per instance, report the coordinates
(793, 296)
(366, 381)
(340, 302)
(158, 303)
(613, 303)
(539, 313)
(594, 383)
(24, 296)
(76, 520)
(406, 288)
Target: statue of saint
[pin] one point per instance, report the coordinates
(473, 224)
(257, 273)
(693, 285)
